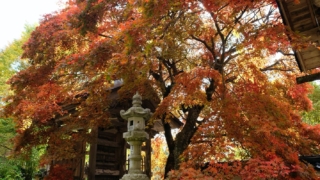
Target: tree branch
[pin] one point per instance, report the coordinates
(276, 69)
(273, 67)
(204, 43)
(105, 36)
(1, 145)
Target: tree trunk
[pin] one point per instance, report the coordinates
(184, 137)
(170, 143)
(169, 164)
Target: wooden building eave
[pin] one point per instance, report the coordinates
(115, 106)
(303, 18)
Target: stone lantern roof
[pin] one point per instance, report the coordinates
(136, 110)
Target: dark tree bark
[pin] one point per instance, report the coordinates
(184, 137)
(171, 146)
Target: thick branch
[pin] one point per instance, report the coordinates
(160, 80)
(210, 90)
(232, 55)
(276, 69)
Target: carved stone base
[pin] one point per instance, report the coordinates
(135, 177)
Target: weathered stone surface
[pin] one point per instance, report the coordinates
(135, 136)
(106, 171)
(135, 177)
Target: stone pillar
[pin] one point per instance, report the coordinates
(136, 135)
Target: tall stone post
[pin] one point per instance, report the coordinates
(136, 135)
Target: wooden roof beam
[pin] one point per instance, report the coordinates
(308, 78)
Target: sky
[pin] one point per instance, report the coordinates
(15, 14)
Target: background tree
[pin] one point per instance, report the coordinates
(10, 59)
(313, 117)
(25, 165)
(8, 168)
(159, 156)
(210, 63)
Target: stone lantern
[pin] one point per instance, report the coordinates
(136, 135)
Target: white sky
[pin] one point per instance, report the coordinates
(14, 14)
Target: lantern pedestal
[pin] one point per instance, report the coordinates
(135, 177)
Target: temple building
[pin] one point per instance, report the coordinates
(109, 153)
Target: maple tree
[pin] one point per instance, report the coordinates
(60, 172)
(210, 62)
